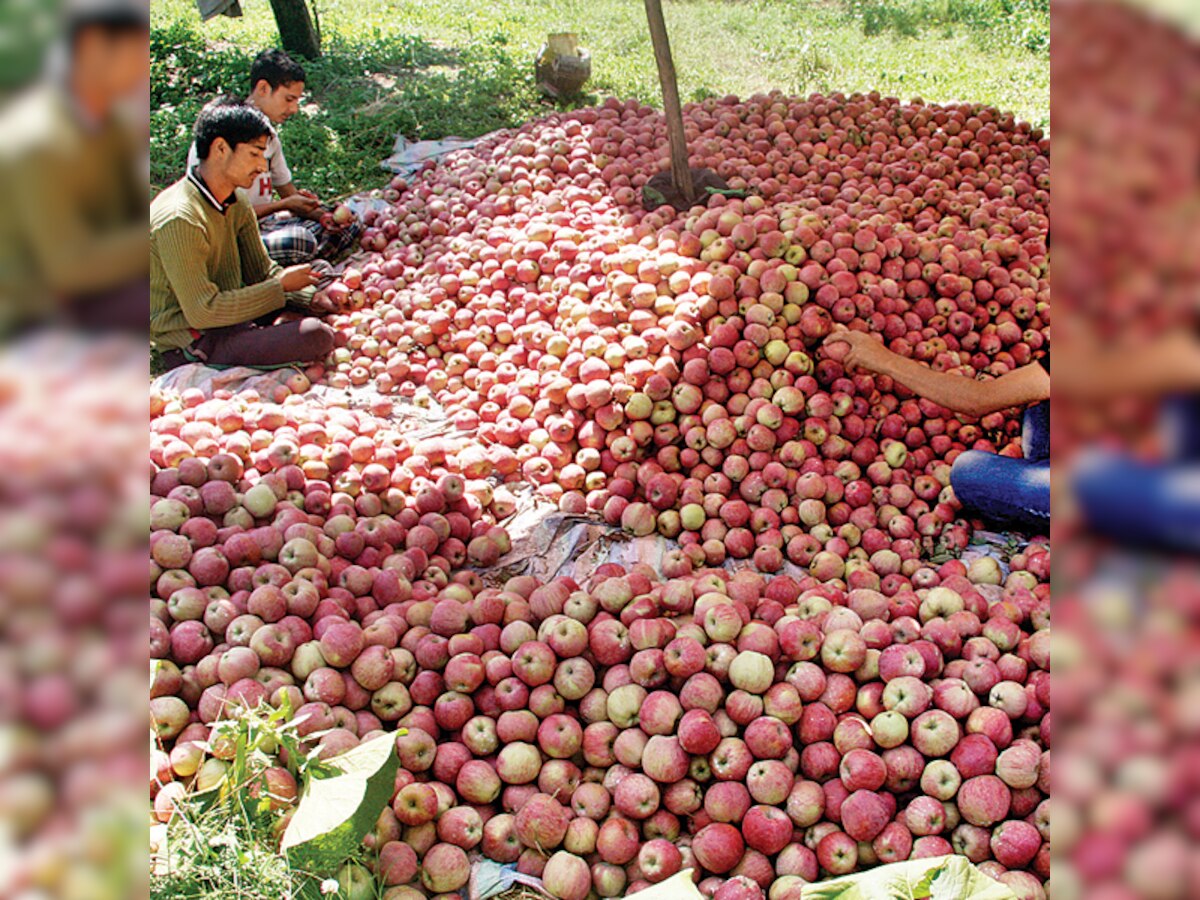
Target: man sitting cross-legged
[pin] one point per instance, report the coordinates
(214, 291)
(297, 227)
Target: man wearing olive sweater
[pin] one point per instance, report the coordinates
(73, 240)
(214, 292)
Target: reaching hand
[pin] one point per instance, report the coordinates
(297, 278)
(865, 352)
(301, 204)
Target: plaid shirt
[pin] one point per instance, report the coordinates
(291, 241)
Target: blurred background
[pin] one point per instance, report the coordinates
(73, 519)
(1125, 93)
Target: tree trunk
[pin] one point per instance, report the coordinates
(676, 137)
(296, 29)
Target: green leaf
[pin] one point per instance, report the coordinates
(653, 198)
(335, 813)
(830, 890)
(922, 888)
(939, 878)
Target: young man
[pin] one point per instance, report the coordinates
(214, 292)
(73, 237)
(291, 225)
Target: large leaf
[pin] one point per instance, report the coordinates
(939, 878)
(335, 813)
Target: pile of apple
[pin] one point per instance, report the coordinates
(666, 370)
(272, 526)
(602, 736)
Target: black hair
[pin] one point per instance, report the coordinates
(275, 68)
(115, 19)
(229, 118)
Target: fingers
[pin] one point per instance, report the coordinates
(838, 337)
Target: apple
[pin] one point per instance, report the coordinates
(445, 868)
(461, 826)
(1015, 843)
(766, 829)
(500, 842)
(478, 782)
(935, 733)
(718, 847)
(665, 760)
(984, 800)
(636, 797)
(837, 853)
(925, 816)
(355, 882)
(658, 860)
(542, 822)
(518, 763)
(770, 782)
(617, 841)
(397, 863)
(567, 876)
(941, 780)
(727, 801)
(752, 672)
(864, 814)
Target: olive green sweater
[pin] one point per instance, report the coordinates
(74, 221)
(208, 267)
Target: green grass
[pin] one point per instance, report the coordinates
(432, 68)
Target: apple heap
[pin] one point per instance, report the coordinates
(619, 357)
(664, 371)
(326, 454)
(603, 736)
(277, 537)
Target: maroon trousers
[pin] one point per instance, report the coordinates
(123, 308)
(258, 344)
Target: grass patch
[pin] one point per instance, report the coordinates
(359, 94)
(432, 68)
(221, 841)
(993, 25)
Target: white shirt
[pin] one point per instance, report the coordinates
(277, 175)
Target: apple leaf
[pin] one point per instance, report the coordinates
(937, 878)
(958, 878)
(335, 813)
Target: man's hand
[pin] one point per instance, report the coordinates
(301, 204)
(297, 278)
(864, 352)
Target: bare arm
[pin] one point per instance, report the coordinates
(1020, 387)
(1087, 371)
(957, 393)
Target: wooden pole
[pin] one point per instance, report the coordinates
(672, 109)
(296, 30)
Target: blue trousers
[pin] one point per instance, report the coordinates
(1145, 504)
(1011, 493)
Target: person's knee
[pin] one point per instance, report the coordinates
(967, 467)
(316, 338)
